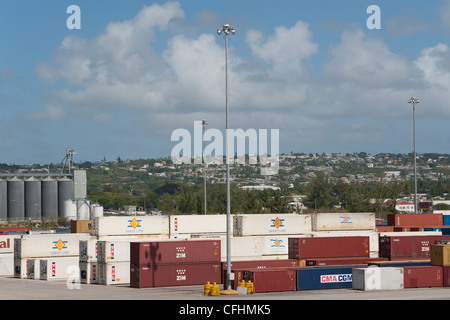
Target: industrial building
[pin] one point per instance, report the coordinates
(43, 197)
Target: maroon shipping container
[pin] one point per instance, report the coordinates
(423, 277)
(328, 247)
(166, 275)
(415, 220)
(256, 264)
(180, 251)
(341, 261)
(393, 247)
(271, 280)
(446, 276)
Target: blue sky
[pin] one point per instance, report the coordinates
(137, 70)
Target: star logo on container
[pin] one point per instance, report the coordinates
(134, 223)
(346, 220)
(59, 244)
(277, 223)
(277, 243)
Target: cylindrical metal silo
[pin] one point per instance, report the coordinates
(65, 192)
(3, 201)
(49, 191)
(83, 209)
(96, 211)
(70, 210)
(33, 200)
(16, 200)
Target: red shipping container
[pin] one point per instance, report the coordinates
(257, 264)
(341, 261)
(271, 280)
(415, 220)
(166, 275)
(180, 251)
(393, 247)
(328, 247)
(423, 277)
(446, 276)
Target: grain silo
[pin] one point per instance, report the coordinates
(49, 191)
(16, 200)
(70, 210)
(65, 192)
(33, 200)
(3, 201)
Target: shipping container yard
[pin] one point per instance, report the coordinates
(275, 255)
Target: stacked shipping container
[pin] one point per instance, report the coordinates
(174, 263)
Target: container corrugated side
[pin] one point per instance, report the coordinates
(271, 280)
(407, 246)
(341, 261)
(114, 273)
(325, 277)
(7, 264)
(343, 221)
(130, 225)
(88, 272)
(166, 275)
(255, 264)
(270, 224)
(446, 276)
(373, 236)
(7, 243)
(60, 268)
(48, 245)
(440, 255)
(374, 278)
(181, 251)
(415, 220)
(198, 224)
(328, 247)
(423, 277)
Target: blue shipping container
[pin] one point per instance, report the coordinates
(446, 219)
(325, 278)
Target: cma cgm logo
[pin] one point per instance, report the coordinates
(59, 244)
(333, 278)
(277, 223)
(134, 223)
(346, 220)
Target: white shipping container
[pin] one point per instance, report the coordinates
(198, 224)
(33, 269)
(7, 243)
(88, 250)
(376, 278)
(114, 273)
(20, 268)
(343, 221)
(48, 245)
(88, 272)
(61, 268)
(116, 250)
(7, 264)
(270, 224)
(130, 225)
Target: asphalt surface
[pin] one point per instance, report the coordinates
(26, 289)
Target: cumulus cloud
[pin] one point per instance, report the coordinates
(270, 87)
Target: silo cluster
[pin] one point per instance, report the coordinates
(43, 198)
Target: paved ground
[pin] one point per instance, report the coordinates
(26, 289)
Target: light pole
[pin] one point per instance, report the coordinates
(204, 123)
(226, 30)
(414, 100)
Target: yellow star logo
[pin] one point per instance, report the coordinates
(60, 244)
(134, 223)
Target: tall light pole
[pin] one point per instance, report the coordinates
(226, 30)
(204, 123)
(414, 100)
